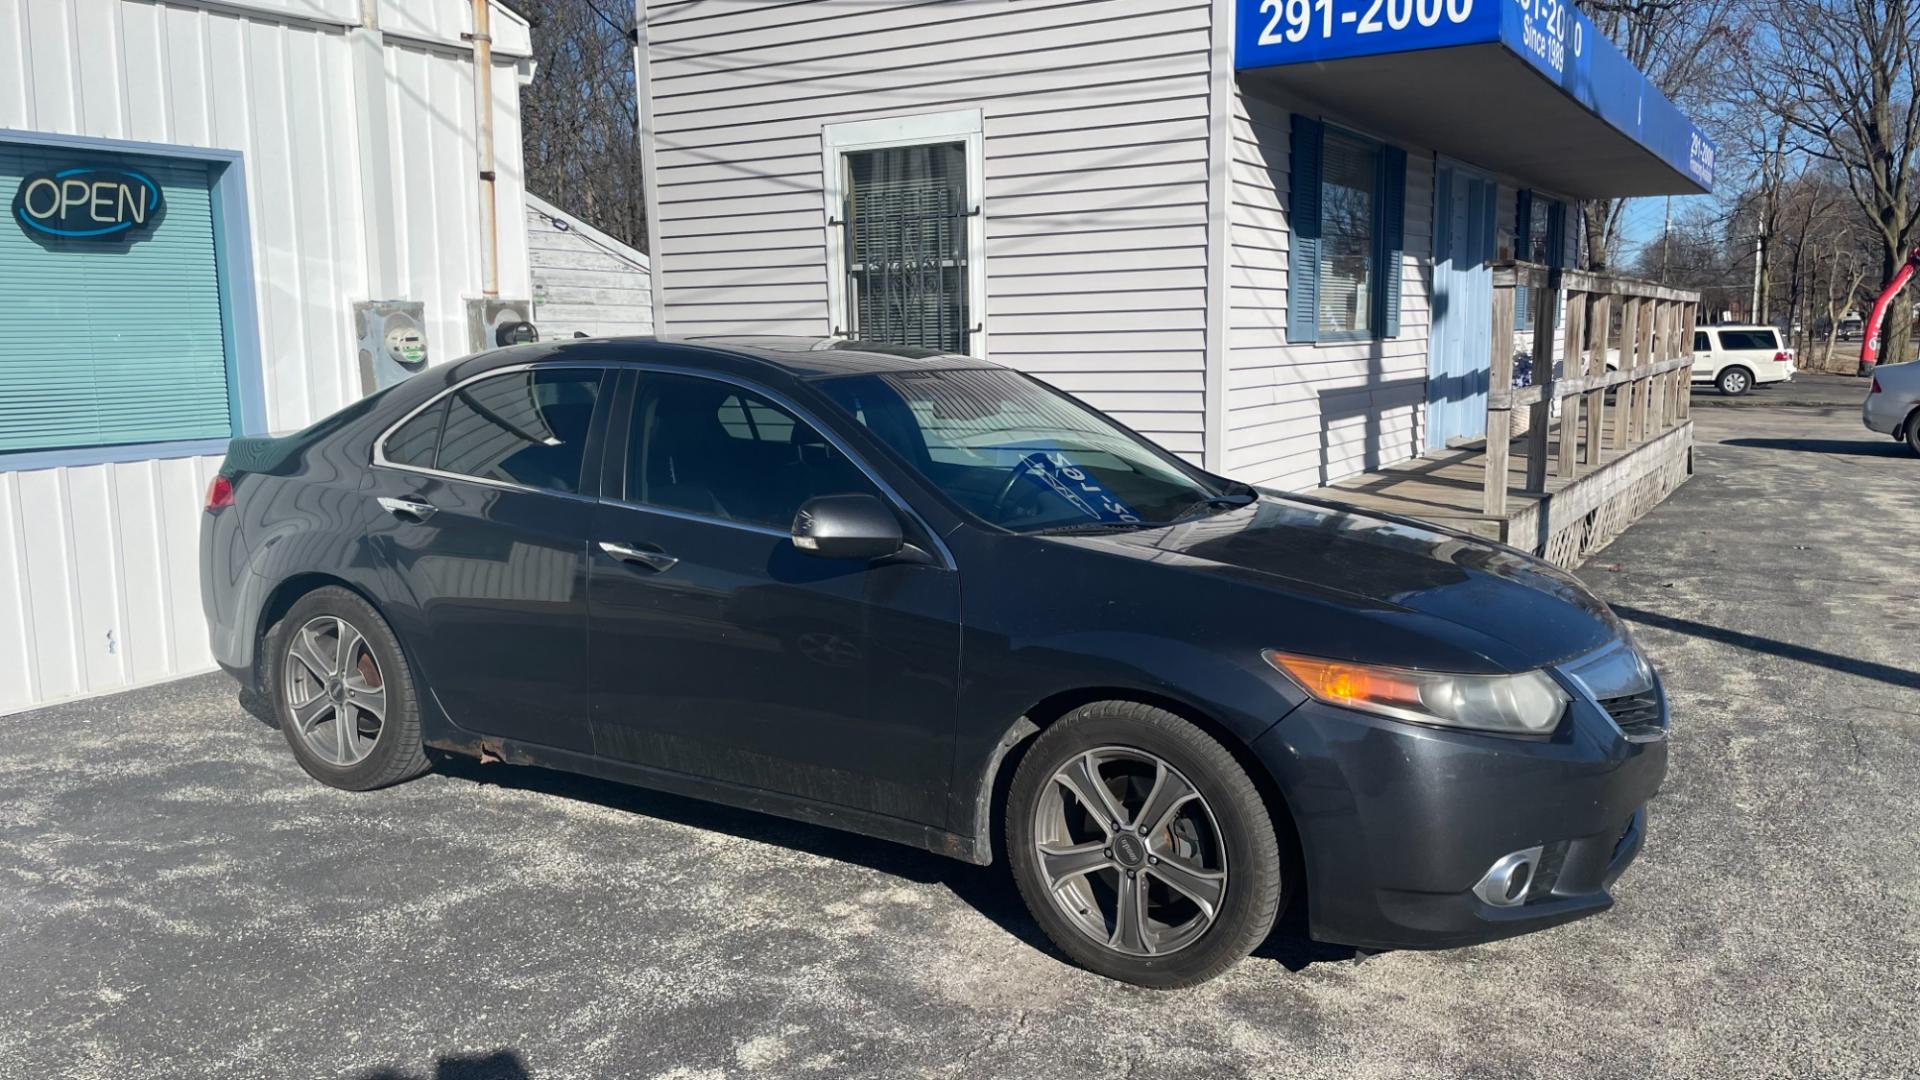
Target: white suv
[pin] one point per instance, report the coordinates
(1737, 358)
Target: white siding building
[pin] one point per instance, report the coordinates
(1107, 194)
(301, 156)
(584, 281)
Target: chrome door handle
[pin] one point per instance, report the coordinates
(407, 508)
(657, 560)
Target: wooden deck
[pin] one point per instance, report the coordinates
(1571, 520)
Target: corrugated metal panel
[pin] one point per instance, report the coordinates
(1095, 154)
(1302, 415)
(99, 569)
(584, 281)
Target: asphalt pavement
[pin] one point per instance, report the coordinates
(177, 899)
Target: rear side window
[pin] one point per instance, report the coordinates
(416, 440)
(1749, 341)
(525, 427)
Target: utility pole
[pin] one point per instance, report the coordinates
(1759, 265)
(1666, 241)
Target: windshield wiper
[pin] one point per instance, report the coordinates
(1095, 527)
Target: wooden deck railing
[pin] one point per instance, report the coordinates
(1647, 328)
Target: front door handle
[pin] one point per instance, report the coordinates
(652, 558)
(410, 509)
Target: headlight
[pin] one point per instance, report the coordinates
(1530, 703)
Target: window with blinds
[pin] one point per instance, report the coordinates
(113, 342)
(1349, 182)
(906, 245)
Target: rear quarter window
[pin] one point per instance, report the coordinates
(414, 442)
(1749, 341)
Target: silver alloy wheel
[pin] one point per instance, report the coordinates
(335, 690)
(1734, 382)
(1131, 852)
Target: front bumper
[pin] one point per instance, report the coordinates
(1398, 822)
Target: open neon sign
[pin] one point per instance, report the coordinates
(85, 203)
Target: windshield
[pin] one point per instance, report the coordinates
(1019, 456)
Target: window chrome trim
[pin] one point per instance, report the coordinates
(900, 504)
(699, 519)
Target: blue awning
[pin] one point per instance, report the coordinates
(1530, 88)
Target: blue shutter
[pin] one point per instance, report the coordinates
(1556, 251)
(112, 342)
(1392, 233)
(1303, 245)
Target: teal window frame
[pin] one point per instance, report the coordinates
(239, 304)
(1304, 247)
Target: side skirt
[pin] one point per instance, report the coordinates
(879, 826)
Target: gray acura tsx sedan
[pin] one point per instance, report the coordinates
(931, 600)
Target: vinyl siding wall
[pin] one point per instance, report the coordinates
(99, 564)
(1303, 415)
(1095, 132)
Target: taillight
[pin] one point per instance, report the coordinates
(219, 494)
(1783, 358)
(1876, 385)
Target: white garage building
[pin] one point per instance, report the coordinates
(201, 192)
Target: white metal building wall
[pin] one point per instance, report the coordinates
(1096, 156)
(99, 576)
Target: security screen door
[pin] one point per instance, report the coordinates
(905, 246)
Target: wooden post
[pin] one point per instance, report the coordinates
(1499, 400)
(1602, 338)
(1663, 387)
(1643, 386)
(1629, 359)
(1691, 319)
(1573, 364)
(1540, 414)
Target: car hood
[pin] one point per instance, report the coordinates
(1350, 585)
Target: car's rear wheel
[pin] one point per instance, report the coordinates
(1913, 431)
(1142, 847)
(343, 693)
(1734, 381)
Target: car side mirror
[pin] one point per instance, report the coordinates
(847, 527)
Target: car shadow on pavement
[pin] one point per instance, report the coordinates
(1886, 448)
(497, 1065)
(987, 889)
(1846, 665)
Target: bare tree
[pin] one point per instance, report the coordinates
(1843, 75)
(579, 117)
(1684, 47)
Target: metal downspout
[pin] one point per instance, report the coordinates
(482, 37)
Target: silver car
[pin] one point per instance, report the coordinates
(1893, 405)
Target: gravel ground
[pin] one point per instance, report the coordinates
(177, 899)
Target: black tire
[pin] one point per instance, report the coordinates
(396, 752)
(1734, 381)
(1254, 878)
(1913, 432)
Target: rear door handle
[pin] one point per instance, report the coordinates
(652, 558)
(411, 509)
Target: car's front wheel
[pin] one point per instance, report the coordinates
(1913, 432)
(343, 693)
(1734, 381)
(1142, 847)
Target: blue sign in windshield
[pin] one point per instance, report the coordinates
(1551, 35)
(1055, 472)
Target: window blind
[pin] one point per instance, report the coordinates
(112, 342)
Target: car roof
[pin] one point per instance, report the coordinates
(1738, 326)
(796, 356)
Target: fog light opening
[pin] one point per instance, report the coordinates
(1505, 883)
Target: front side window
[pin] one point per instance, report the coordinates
(705, 447)
(1349, 187)
(1018, 456)
(525, 427)
(1700, 342)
